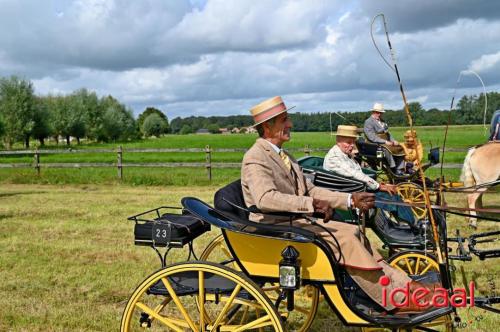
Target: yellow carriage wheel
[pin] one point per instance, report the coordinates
(417, 263)
(414, 263)
(169, 299)
(413, 194)
(306, 299)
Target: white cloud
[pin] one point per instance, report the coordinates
(220, 57)
(485, 62)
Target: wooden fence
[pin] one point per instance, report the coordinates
(37, 163)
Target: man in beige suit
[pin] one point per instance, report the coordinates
(272, 181)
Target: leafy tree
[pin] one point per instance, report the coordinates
(42, 128)
(186, 129)
(2, 127)
(213, 128)
(176, 125)
(62, 118)
(86, 108)
(153, 125)
(17, 109)
(147, 112)
(117, 122)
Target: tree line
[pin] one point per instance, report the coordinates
(82, 114)
(469, 110)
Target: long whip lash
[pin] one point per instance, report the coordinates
(410, 123)
(463, 72)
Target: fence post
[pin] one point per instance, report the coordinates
(307, 150)
(36, 161)
(119, 162)
(208, 158)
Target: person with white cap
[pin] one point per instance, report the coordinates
(271, 180)
(377, 131)
(339, 160)
(495, 127)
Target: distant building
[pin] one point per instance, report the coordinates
(250, 130)
(202, 131)
(224, 131)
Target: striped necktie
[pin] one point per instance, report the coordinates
(286, 160)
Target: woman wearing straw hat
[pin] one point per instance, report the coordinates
(338, 160)
(377, 131)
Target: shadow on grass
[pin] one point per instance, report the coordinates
(20, 193)
(6, 216)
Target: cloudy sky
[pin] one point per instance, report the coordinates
(220, 57)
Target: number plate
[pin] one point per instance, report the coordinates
(161, 233)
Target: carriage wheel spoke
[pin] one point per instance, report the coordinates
(426, 268)
(408, 265)
(179, 305)
(158, 317)
(162, 305)
(226, 307)
(417, 265)
(244, 315)
(259, 322)
(201, 299)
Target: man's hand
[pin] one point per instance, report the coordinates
(389, 188)
(323, 207)
(395, 143)
(363, 201)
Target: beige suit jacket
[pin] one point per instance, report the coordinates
(270, 186)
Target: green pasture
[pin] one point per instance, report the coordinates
(458, 137)
(68, 262)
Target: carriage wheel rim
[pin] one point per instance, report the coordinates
(134, 306)
(414, 263)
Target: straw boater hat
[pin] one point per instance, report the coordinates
(378, 107)
(268, 109)
(347, 131)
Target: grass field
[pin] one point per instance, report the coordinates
(458, 137)
(68, 262)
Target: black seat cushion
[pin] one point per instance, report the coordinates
(232, 193)
(367, 148)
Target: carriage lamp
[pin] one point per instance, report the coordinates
(290, 269)
(380, 153)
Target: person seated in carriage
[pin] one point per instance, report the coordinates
(414, 151)
(377, 131)
(272, 181)
(339, 159)
(495, 127)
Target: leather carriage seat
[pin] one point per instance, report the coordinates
(233, 193)
(366, 148)
(229, 200)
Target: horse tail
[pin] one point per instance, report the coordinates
(466, 177)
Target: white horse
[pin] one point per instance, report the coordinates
(481, 165)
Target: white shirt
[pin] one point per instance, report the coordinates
(340, 163)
